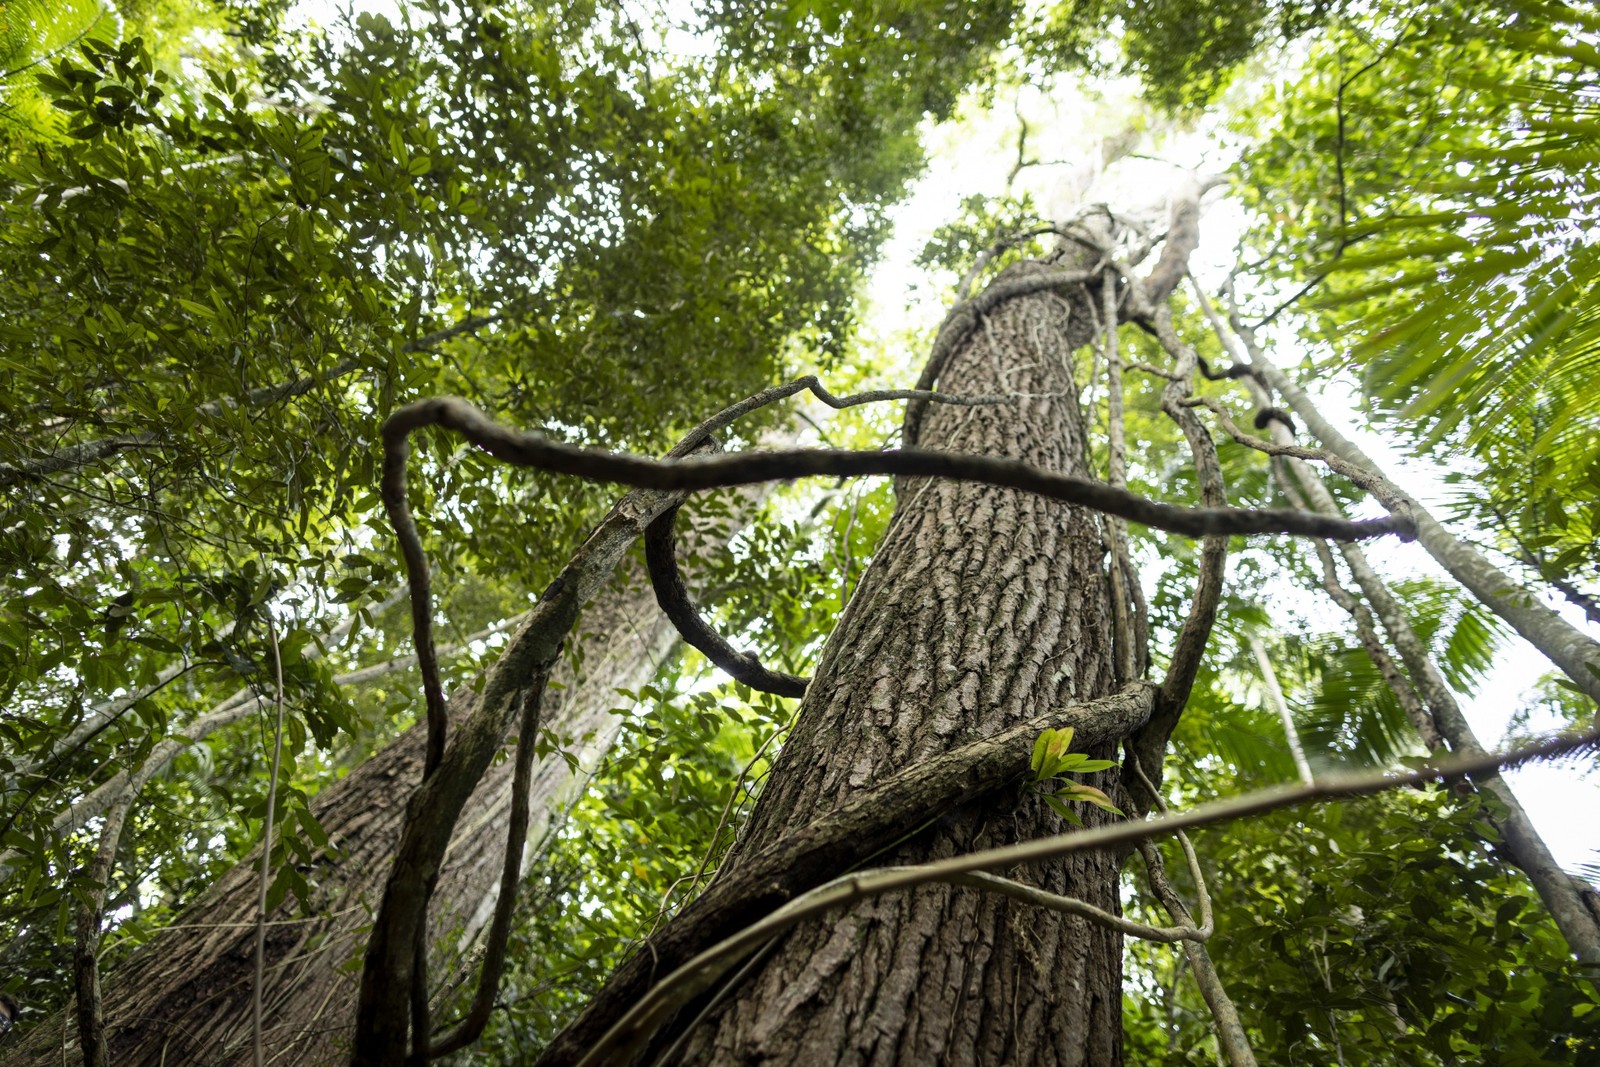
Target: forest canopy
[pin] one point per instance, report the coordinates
(799, 531)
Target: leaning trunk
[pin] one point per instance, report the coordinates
(185, 998)
(982, 608)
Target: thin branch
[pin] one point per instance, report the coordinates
(1001, 243)
(1269, 676)
(722, 820)
(660, 553)
(100, 717)
(1201, 893)
(73, 456)
(1155, 371)
(1574, 652)
(1524, 846)
(257, 991)
(698, 974)
(1183, 237)
(1381, 488)
(1230, 1030)
(227, 712)
(1043, 898)
(749, 468)
(1188, 651)
(1537, 562)
(810, 383)
(1022, 143)
(510, 877)
(1366, 632)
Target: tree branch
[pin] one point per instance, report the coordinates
(1404, 692)
(660, 553)
(1526, 849)
(1230, 1030)
(1381, 488)
(1188, 651)
(1577, 654)
(1183, 237)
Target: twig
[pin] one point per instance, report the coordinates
(1201, 894)
(1043, 898)
(727, 809)
(1380, 488)
(1156, 371)
(811, 384)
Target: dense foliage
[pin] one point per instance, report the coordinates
(229, 248)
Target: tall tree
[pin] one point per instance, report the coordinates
(999, 608)
(249, 269)
(982, 606)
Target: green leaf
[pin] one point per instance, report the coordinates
(1061, 809)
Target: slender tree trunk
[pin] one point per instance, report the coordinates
(1291, 733)
(1566, 899)
(185, 997)
(982, 607)
(1572, 650)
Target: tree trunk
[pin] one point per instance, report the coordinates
(982, 607)
(185, 997)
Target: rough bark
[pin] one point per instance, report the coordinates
(184, 998)
(982, 607)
